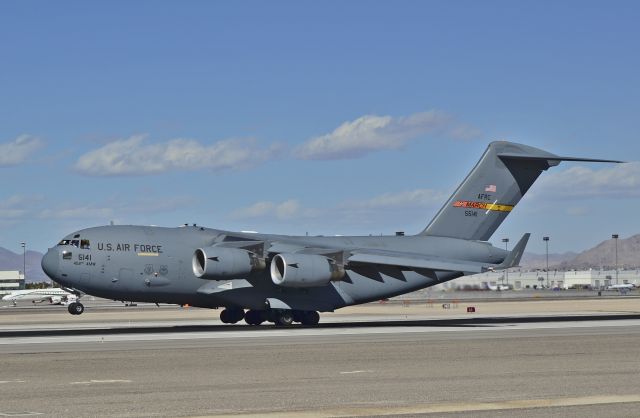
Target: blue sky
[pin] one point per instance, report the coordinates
(319, 117)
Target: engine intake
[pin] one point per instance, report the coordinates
(304, 270)
(220, 263)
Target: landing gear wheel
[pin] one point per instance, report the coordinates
(254, 317)
(284, 318)
(231, 316)
(225, 317)
(75, 308)
(310, 318)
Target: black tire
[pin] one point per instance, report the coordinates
(235, 315)
(225, 316)
(79, 308)
(251, 318)
(298, 316)
(285, 318)
(255, 317)
(311, 318)
(75, 308)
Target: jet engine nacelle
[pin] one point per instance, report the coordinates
(220, 263)
(304, 270)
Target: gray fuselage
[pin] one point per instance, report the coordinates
(154, 264)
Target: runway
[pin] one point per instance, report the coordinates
(360, 363)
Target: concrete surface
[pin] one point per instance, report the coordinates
(364, 361)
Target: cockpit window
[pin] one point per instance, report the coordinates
(84, 244)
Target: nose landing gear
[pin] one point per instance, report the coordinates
(75, 308)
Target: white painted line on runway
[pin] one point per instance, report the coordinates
(357, 371)
(20, 414)
(12, 381)
(91, 382)
(422, 409)
(316, 332)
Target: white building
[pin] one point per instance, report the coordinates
(519, 279)
(11, 280)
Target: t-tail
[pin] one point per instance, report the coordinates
(491, 190)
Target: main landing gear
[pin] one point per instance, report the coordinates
(75, 308)
(280, 317)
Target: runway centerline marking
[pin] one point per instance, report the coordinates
(12, 381)
(92, 381)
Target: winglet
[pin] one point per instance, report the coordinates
(513, 258)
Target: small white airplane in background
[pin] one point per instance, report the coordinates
(53, 295)
(622, 287)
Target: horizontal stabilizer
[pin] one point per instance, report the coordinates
(513, 259)
(554, 158)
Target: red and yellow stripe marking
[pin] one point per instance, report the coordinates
(497, 207)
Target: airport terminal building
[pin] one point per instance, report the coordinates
(11, 280)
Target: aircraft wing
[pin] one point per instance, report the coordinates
(414, 261)
(405, 260)
(418, 261)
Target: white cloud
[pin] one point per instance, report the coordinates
(371, 133)
(407, 199)
(114, 207)
(18, 207)
(134, 156)
(77, 212)
(18, 150)
(265, 209)
(292, 209)
(27, 208)
(619, 181)
(577, 211)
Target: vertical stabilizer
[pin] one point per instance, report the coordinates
(491, 190)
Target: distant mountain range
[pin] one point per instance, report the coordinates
(600, 256)
(12, 261)
(539, 261)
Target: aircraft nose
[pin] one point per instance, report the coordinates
(50, 263)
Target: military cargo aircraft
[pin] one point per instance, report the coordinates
(286, 279)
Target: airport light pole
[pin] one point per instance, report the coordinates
(546, 241)
(615, 238)
(24, 263)
(506, 247)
